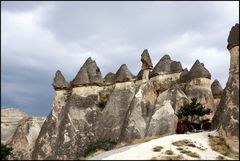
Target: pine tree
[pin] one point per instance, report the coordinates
(5, 151)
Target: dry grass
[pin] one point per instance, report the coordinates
(221, 158)
(218, 144)
(146, 139)
(190, 153)
(169, 157)
(188, 143)
(157, 148)
(169, 152)
(121, 144)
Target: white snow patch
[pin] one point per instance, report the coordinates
(145, 151)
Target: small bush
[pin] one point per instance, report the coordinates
(221, 158)
(157, 148)
(168, 157)
(5, 151)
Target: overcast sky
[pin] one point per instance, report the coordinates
(38, 38)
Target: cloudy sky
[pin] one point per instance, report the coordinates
(37, 38)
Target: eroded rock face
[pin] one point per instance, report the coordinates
(216, 89)
(226, 118)
(163, 66)
(24, 138)
(89, 74)
(198, 71)
(123, 74)
(176, 67)
(146, 60)
(109, 78)
(59, 81)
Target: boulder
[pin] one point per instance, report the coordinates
(123, 74)
(198, 71)
(163, 66)
(109, 78)
(89, 74)
(59, 81)
(146, 60)
(216, 89)
(176, 67)
(233, 38)
(183, 76)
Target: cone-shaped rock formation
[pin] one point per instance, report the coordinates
(216, 89)
(146, 60)
(123, 74)
(198, 71)
(59, 81)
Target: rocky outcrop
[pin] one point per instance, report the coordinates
(146, 60)
(109, 79)
(198, 71)
(176, 67)
(23, 140)
(123, 74)
(163, 66)
(226, 118)
(10, 118)
(89, 74)
(216, 91)
(59, 81)
(20, 131)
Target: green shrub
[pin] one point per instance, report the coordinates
(5, 151)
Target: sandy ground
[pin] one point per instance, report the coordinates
(145, 151)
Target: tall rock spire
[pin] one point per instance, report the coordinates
(59, 81)
(146, 60)
(226, 118)
(89, 74)
(123, 74)
(198, 71)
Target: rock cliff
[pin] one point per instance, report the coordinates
(226, 118)
(122, 107)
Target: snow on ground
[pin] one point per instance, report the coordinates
(145, 151)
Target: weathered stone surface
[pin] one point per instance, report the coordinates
(176, 67)
(226, 118)
(140, 112)
(200, 88)
(216, 89)
(198, 71)
(123, 74)
(89, 74)
(233, 38)
(140, 75)
(59, 81)
(183, 76)
(109, 78)
(115, 111)
(10, 118)
(164, 120)
(146, 60)
(163, 66)
(24, 138)
(45, 145)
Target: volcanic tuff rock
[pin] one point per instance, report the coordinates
(163, 66)
(233, 38)
(146, 60)
(216, 89)
(226, 118)
(59, 81)
(125, 110)
(109, 78)
(20, 131)
(9, 122)
(123, 74)
(89, 74)
(176, 67)
(198, 71)
(23, 140)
